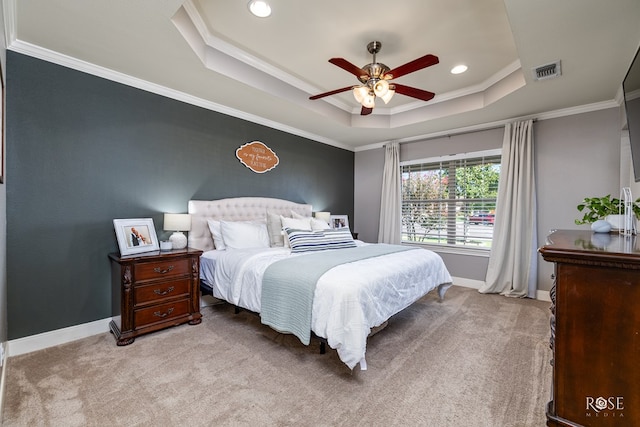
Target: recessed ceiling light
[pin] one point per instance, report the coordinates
(260, 8)
(459, 69)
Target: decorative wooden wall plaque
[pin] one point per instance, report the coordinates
(257, 157)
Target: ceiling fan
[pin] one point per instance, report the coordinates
(374, 79)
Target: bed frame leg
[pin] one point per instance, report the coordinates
(236, 309)
(323, 348)
(442, 288)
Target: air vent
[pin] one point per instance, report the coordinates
(547, 71)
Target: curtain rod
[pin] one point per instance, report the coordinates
(460, 131)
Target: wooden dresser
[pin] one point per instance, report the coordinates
(154, 290)
(595, 329)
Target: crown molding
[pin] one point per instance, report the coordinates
(89, 68)
(116, 76)
(581, 109)
(260, 75)
(13, 44)
(10, 19)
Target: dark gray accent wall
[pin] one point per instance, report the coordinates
(82, 150)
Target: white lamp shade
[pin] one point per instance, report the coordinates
(369, 101)
(381, 88)
(177, 222)
(360, 92)
(323, 216)
(387, 96)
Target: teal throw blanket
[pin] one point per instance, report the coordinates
(288, 285)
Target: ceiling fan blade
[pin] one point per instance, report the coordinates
(365, 111)
(333, 92)
(410, 67)
(414, 92)
(348, 66)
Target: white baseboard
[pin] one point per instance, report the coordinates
(467, 283)
(72, 333)
(543, 296)
(3, 375)
(57, 337)
(477, 284)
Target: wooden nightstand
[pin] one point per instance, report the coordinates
(154, 290)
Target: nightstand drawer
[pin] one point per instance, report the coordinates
(151, 293)
(160, 313)
(161, 269)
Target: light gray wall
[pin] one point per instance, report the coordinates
(368, 166)
(489, 139)
(368, 182)
(576, 156)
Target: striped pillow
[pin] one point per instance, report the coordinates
(319, 240)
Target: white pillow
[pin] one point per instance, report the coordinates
(244, 234)
(297, 223)
(316, 224)
(216, 234)
(300, 223)
(274, 228)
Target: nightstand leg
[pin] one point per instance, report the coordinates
(113, 328)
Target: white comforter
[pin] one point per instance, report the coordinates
(349, 300)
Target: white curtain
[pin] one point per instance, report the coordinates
(512, 267)
(390, 230)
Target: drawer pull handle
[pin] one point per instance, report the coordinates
(159, 292)
(161, 271)
(165, 314)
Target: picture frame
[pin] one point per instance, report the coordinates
(339, 221)
(135, 235)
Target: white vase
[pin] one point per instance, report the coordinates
(601, 226)
(617, 222)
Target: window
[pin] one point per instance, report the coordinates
(451, 200)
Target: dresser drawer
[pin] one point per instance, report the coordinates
(149, 294)
(160, 313)
(161, 269)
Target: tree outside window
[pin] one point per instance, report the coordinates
(450, 202)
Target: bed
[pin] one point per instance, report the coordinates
(352, 287)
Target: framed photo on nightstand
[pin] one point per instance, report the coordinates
(339, 221)
(136, 235)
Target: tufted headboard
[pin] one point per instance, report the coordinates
(235, 209)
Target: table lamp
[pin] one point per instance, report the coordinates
(177, 223)
(323, 216)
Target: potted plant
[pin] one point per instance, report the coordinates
(605, 208)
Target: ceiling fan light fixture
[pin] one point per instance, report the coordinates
(381, 88)
(359, 92)
(260, 8)
(369, 100)
(374, 79)
(387, 96)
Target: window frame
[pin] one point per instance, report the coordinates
(448, 248)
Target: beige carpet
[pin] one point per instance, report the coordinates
(471, 360)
